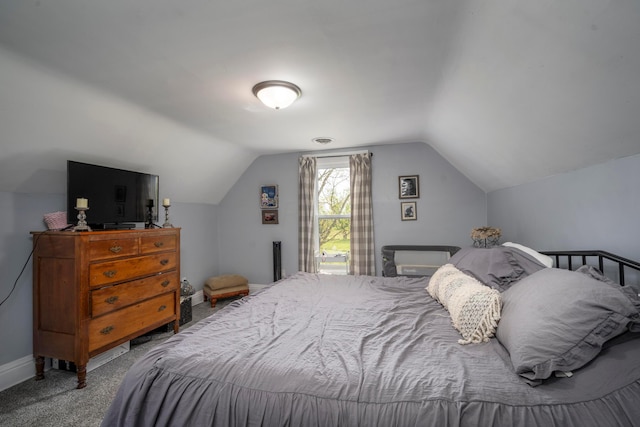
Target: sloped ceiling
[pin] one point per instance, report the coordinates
(507, 92)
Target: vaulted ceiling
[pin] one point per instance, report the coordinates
(508, 92)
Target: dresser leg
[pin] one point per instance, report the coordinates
(82, 376)
(39, 368)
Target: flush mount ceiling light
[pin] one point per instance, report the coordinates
(277, 94)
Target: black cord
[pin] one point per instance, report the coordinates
(35, 243)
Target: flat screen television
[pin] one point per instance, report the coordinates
(117, 198)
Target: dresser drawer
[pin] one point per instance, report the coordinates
(104, 273)
(112, 248)
(118, 296)
(158, 243)
(119, 324)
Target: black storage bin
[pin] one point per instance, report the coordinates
(186, 311)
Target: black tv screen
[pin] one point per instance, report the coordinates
(116, 197)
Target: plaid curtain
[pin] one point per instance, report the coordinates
(306, 213)
(363, 260)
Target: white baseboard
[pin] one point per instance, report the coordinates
(253, 287)
(17, 371)
(108, 356)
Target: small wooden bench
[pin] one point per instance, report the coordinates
(226, 286)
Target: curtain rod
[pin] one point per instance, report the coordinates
(337, 154)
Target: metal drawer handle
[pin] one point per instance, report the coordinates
(162, 307)
(159, 244)
(115, 249)
(111, 300)
(107, 330)
(165, 283)
(164, 261)
(110, 273)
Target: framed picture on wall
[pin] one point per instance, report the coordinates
(269, 217)
(268, 196)
(408, 187)
(408, 210)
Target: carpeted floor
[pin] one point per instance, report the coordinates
(55, 401)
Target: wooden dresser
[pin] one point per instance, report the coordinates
(93, 291)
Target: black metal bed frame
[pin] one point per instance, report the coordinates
(622, 263)
(563, 259)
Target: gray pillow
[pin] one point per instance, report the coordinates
(558, 320)
(498, 267)
(593, 272)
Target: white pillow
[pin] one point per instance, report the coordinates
(474, 307)
(547, 261)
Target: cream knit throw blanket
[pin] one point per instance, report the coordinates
(474, 307)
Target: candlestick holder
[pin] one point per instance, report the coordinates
(149, 223)
(166, 224)
(82, 220)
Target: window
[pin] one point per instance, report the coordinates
(333, 215)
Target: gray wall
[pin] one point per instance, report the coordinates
(592, 208)
(198, 247)
(21, 213)
(448, 208)
(244, 243)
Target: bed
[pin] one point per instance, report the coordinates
(319, 350)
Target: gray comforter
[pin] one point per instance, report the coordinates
(318, 350)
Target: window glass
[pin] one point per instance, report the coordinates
(333, 216)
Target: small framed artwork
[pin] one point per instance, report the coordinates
(268, 196)
(409, 212)
(408, 187)
(270, 217)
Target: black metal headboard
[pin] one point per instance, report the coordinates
(565, 259)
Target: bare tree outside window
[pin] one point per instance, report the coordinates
(334, 215)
